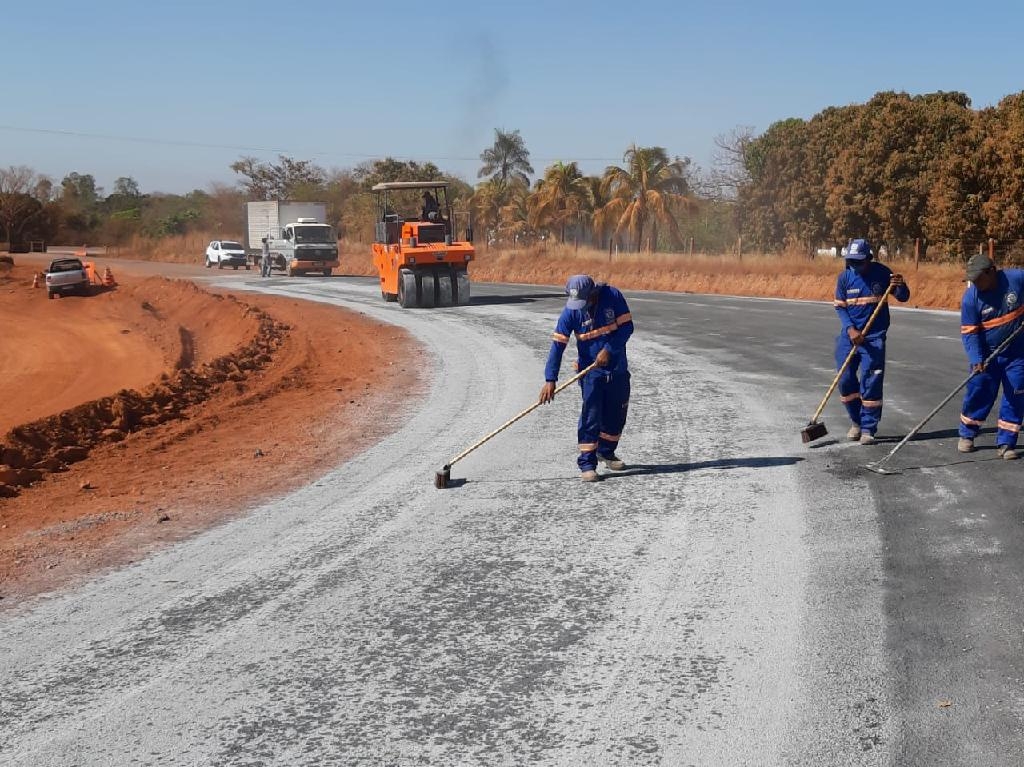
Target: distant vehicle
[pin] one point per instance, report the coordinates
(225, 253)
(66, 275)
(300, 241)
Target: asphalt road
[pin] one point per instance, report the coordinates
(734, 598)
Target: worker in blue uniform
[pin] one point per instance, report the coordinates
(991, 309)
(859, 288)
(597, 314)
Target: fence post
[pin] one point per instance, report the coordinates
(991, 247)
(691, 247)
(917, 253)
(739, 247)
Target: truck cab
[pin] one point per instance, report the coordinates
(419, 257)
(298, 239)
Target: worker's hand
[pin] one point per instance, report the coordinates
(603, 358)
(979, 368)
(897, 280)
(855, 336)
(547, 392)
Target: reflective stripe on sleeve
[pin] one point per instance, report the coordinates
(622, 319)
(558, 337)
(966, 330)
(838, 303)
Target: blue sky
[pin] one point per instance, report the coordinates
(340, 82)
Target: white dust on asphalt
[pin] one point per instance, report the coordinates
(657, 617)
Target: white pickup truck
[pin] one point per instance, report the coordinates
(66, 275)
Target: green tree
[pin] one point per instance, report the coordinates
(487, 203)
(285, 180)
(18, 211)
(559, 199)
(507, 159)
(642, 191)
(126, 186)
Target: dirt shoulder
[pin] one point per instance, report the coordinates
(224, 402)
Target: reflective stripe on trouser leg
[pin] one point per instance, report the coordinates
(849, 386)
(614, 409)
(1011, 410)
(591, 387)
(978, 400)
(872, 376)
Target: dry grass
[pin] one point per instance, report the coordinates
(932, 285)
(180, 249)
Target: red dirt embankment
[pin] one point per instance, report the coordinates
(180, 407)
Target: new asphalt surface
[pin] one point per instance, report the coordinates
(733, 598)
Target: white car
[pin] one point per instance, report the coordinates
(225, 253)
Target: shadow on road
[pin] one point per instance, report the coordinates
(718, 463)
(646, 469)
(522, 298)
(963, 461)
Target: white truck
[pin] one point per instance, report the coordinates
(300, 240)
(67, 275)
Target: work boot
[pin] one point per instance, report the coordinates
(867, 439)
(1007, 453)
(854, 433)
(590, 476)
(965, 445)
(612, 461)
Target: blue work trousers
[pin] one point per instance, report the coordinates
(982, 391)
(605, 404)
(860, 387)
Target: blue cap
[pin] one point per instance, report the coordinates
(578, 288)
(858, 250)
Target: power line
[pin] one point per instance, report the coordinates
(267, 150)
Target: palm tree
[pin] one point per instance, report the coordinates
(600, 222)
(643, 191)
(486, 204)
(507, 160)
(515, 224)
(559, 198)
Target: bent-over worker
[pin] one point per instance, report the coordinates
(991, 309)
(600, 319)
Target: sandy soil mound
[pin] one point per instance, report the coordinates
(247, 400)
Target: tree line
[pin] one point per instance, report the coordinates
(926, 171)
(652, 200)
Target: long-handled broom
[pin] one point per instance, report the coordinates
(877, 466)
(443, 478)
(815, 429)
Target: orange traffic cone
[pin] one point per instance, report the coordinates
(108, 278)
(35, 280)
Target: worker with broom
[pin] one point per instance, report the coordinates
(991, 309)
(599, 317)
(861, 285)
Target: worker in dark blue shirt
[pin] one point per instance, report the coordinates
(597, 314)
(859, 288)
